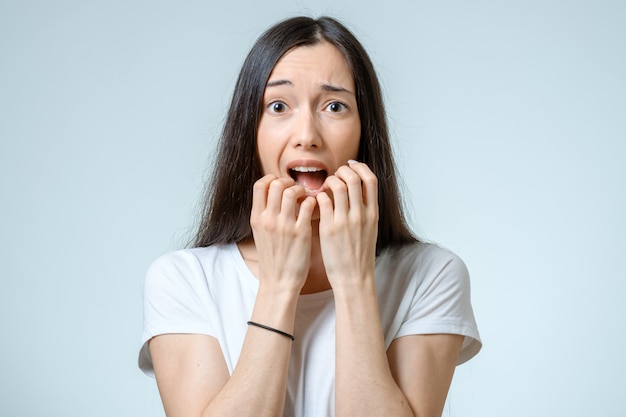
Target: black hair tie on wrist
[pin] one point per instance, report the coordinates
(271, 329)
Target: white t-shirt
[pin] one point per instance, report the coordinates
(422, 289)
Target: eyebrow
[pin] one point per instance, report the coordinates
(325, 87)
(277, 83)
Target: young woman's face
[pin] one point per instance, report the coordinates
(310, 124)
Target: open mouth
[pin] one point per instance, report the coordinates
(311, 178)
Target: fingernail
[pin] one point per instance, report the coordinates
(352, 161)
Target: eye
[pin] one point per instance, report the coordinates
(336, 107)
(277, 107)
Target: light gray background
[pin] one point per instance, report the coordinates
(509, 119)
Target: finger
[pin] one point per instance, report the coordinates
(369, 183)
(275, 194)
(290, 197)
(339, 191)
(305, 212)
(354, 185)
(259, 192)
(326, 206)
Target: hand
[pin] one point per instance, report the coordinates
(349, 224)
(281, 226)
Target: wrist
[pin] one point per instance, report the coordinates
(275, 306)
(279, 290)
(353, 284)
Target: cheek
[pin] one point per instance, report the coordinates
(263, 145)
(268, 149)
(346, 147)
(351, 141)
(267, 158)
(262, 152)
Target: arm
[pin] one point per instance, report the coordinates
(423, 366)
(411, 379)
(364, 384)
(190, 369)
(193, 378)
(368, 380)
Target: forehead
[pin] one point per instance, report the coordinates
(321, 62)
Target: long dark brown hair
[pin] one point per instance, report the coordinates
(226, 214)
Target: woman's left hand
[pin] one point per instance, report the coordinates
(348, 224)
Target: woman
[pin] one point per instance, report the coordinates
(306, 294)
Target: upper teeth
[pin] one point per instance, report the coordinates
(306, 169)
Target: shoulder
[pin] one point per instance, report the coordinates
(422, 270)
(432, 285)
(187, 257)
(186, 265)
(422, 258)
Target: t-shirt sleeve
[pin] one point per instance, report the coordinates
(442, 303)
(176, 300)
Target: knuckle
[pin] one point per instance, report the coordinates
(339, 186)
(260, 185)
(276, 185)
(290, 193)
(371, 180)
(353, 181)
(358, 219)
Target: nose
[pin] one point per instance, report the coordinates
(306, 133)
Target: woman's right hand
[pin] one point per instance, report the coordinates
(281, 225)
